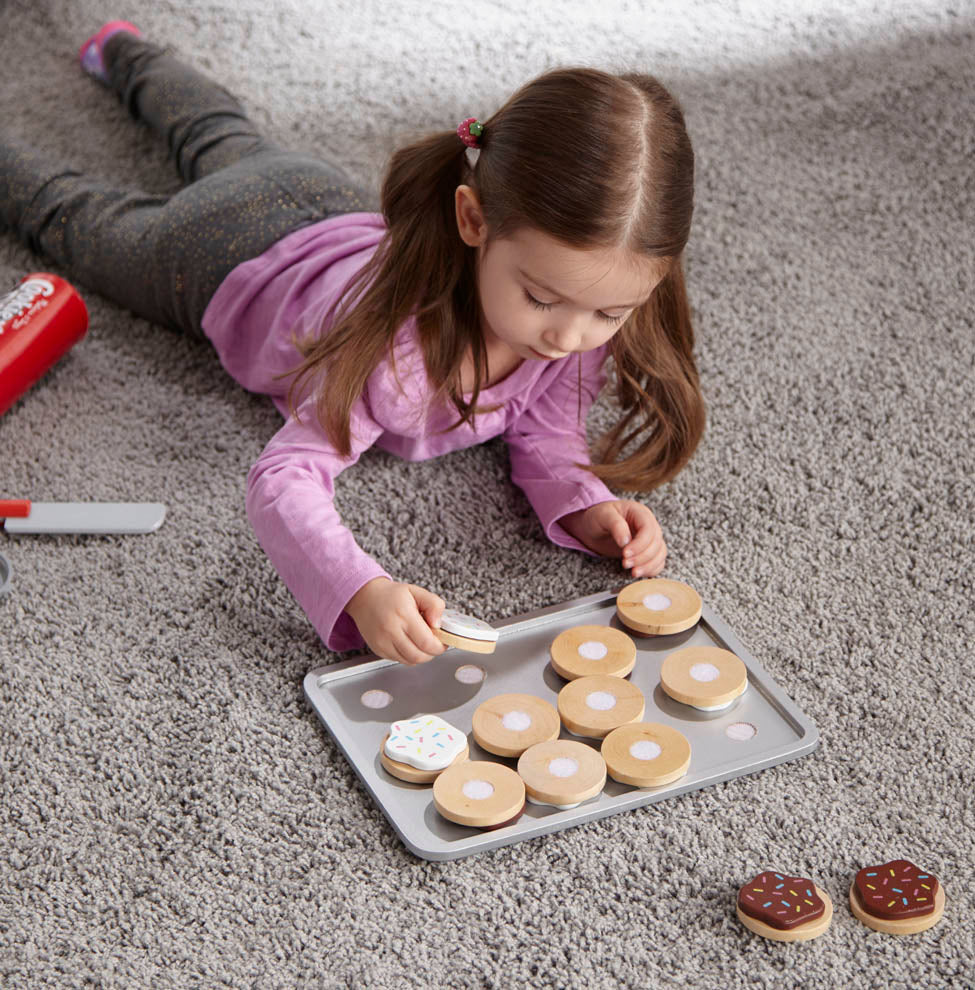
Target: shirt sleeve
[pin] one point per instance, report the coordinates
(547, 440)
(290, 504)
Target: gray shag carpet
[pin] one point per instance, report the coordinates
(173, 814)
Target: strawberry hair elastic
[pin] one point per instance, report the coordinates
(470, 131)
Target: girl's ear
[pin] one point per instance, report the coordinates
(470, 219)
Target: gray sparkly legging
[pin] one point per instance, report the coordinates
(163, 257)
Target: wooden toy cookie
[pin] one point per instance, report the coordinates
(646, 754)
(704, 677)
(562, 773)
(479, 794)
(419, 749)
(508, 724)
(658, 606)
(784, 908)
(586, 650)
(897, 898)
(593, 706)
(466, 633)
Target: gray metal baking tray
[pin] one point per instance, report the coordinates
(520, 663)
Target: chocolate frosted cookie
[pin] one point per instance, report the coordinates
(783, 907)
(897, 898)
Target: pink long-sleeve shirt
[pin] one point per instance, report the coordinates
(290, 487)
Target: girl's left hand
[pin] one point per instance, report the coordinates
(621, 528)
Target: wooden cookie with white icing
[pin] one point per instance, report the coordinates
(466, 632)
(593, 706)
(583, 651)
(646, 754)
(704, 677)
(508, 724)
(658, 606)
(419, 749)
(897, 898)
(562, 773)
(479, 794)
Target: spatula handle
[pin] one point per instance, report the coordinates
(14, 508)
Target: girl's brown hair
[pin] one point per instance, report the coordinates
(592, 159)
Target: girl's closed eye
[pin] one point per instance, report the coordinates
(541, 305)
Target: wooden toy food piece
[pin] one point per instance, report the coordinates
(479, 794)
(784, 908)
(586, 650)
(561, 772)
(419, 749)
(593, 706)
(704, 677)
(466, 632)
(658, 606)
(646, 754)
(897, 898)
(508, 724)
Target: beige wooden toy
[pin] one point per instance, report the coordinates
(593, 706)
(586, 650)
(562, 773)
(784, 908)
(704, 677)
(658, 606)
(897, 898)
(414, 775)
(479, 794)
(646, 754)
(508, 724)
(466, 632)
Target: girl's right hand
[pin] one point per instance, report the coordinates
(395, 620)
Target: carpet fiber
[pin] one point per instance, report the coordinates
(174, 815)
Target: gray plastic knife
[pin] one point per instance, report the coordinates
(22, 516)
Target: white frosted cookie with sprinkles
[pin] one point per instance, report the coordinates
(586, 650)
(783, 907)
(658, 606)
(466, 632)
(418, 749)
(897, 898)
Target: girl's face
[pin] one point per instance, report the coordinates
(541, 299)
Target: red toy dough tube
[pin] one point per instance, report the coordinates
(40, 320)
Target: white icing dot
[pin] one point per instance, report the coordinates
(601, 701)
(376, 699)
(704, 672)
(656, 602)
(562, 766)
(645, 749)
(477, 790)
(592, 649)
(469, 674)
(516, 721)
(740, 731)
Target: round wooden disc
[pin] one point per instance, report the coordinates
(505, 800)
(562, 772)
(801, 933)
(684, 677)
(586, 650)
(640, 607)
(465, 643)
(579, 698)
(903, 926)
(508, 724)
(629, 754)
(411, 774)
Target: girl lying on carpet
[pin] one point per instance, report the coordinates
(512, 257)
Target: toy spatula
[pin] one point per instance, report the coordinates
(24, 516)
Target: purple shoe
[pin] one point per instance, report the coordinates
(90, 53)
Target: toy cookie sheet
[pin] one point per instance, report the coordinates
(357, 700)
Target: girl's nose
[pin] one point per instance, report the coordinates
(565, 338)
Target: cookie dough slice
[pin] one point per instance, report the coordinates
(593, 706)
(784, 908)
(466, 632)
(479, 794)
(646, 754)
(508, 724)
(562, 773)
(704, 677)
(419, 749)
(897, 898)
(583, 651)
(658, 606)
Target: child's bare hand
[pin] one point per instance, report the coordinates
(621, 528)
(395, 620)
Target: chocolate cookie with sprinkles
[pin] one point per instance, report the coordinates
(783, 907)
(897, 898)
